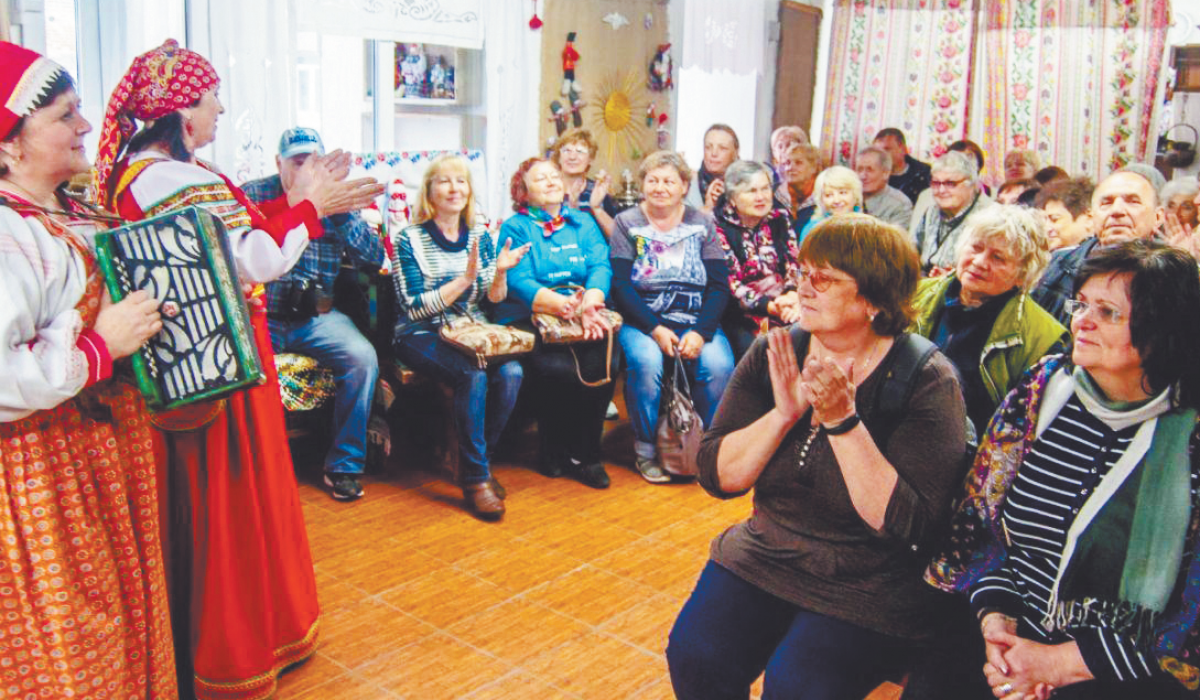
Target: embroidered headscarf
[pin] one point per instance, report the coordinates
(25, 78)
(157, 83)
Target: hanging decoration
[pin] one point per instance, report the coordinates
(570, 58)
(651, 114)
(558, 115)
(661, 68)
(648, 21)
(616, 20)
(617, 125)
(664, 136)
(535, 22)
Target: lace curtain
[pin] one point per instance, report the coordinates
(1079, 81)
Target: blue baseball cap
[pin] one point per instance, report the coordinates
(300, 139)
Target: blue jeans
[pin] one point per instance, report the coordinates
(730, 631)
(707, 375)
(334, 341)
(483, 399)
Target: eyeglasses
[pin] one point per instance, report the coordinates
(819, 279)
(576, 150)
(945, 184)
(1107, 314)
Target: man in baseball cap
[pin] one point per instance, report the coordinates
(301, 313)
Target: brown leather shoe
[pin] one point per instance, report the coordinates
(483, 501)
(499, 488)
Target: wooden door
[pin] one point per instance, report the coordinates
(796, 65)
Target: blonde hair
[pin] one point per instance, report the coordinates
(438, 166)
(1018, 229)
(666, 159)
(837, 177)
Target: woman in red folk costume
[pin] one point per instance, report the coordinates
(244, 597)
(83, 599)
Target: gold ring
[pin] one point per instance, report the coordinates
(1005, 689)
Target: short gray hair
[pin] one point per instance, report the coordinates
(1147, 172)
(1020, 231)
(881, 156)
(1189, 186)
(957, 162)
(740, 174)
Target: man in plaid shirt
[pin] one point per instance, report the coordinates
(302, 319)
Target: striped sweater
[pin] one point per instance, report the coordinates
(423, 261)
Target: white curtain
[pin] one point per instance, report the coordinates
(512, 52)
(444, 22)
(722, 35)
(255, 57)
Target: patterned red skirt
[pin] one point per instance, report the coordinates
(83, 596)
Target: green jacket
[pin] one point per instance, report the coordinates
(1023, 333)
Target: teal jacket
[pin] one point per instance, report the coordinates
(1023, 333)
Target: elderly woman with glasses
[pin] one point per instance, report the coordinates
(956, 195)
(821, 587)
(1077, 534)
(760, 249)
(981, 315)
(573, 153)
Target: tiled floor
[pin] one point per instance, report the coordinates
(570, 596)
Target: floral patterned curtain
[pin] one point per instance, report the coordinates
(1079, 81)
(1076, 81)
(899, 63)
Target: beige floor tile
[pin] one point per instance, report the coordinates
(365, 632)
(590, 595)
(599, 667)
(317, 670)
(435, 668)
(664, 567)
(647, 624)
(346, 687)
(378, 565)
(517, 630)
(445, 596)
(519, 566)
(522, 685)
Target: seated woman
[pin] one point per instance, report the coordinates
(837, 191)
(1076, 537)
(671, 284)
(799, 170)
(567, 251)
(755, 231)
(821, 587)
(445, 265)
(782, 140)
(720, 149)
(980, 314)
(1021, 164)
(1179, 201)
(573, 153)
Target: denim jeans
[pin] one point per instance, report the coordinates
(483, 398)
(730, 631)
(707, 376)
(334, 341)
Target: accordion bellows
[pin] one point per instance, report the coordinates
(206, 348)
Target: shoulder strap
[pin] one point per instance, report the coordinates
(911, 353)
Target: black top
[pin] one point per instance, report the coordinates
(913, 181)
(961, 332)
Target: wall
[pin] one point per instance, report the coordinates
(610, 61)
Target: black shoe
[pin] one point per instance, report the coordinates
(343, 487)
(550, 468)
(591, 474)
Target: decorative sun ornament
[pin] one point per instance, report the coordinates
(618, 133)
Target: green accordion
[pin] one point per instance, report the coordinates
(206, 349)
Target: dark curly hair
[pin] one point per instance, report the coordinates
(1164, 321)
(881, 259)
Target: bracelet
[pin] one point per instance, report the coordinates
(844, 427)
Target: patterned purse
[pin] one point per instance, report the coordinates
(488, 343)
(556, 330)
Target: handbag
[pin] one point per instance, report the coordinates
(556, 330)
(680, 428)
(487, 343)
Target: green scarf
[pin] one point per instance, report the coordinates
(1140, 530)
